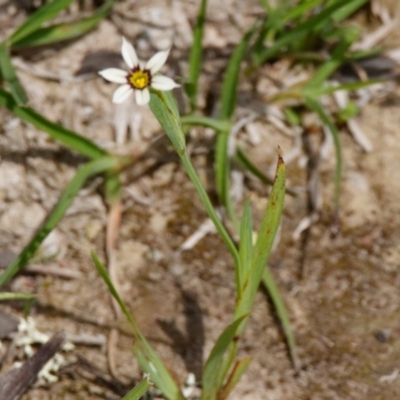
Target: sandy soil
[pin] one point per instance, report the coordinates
(342, 292)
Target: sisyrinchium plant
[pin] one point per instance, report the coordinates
(249, 260)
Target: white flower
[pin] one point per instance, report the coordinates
(140, 76)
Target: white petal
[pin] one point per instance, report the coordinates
(122, 93)
(129, 54)
(157, 61)
(142, 97)
(114, 75)
(161, 82)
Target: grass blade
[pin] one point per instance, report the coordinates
(300, 11)
(148, 359)
(112, 188)
(228, 104)
(212, 370)
(139, 390)
(88, 170)
(35, 20)
(245, 246)
(65, 31)
(210, 209)
(265, 239)
(195, 56)
(315, 106)
(16, 296)
(280, 309)
(350, 8)
(231, 79)
(207, 122)
(269, 226)
(9, 75)
(320, 91)
(237, 372)
(71, 139)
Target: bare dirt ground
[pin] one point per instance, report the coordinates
(342, 292)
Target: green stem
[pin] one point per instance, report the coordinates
(209, 207)
(229, 361)
(223, 177)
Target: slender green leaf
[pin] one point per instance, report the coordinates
(267, 278)
(298, 93)
(238, 370)
(276, 298)
(207, 122)
(71, 139)
(57, 33)
(10, 76)
(107, 280)
(148, 359)
(112, 188)
(245, 246)
(35, 20)
(231, 77)
(92, 168)
(315, 106)
(265, 239)
(227, 364)
(210, 209)
(195, 55)
(360, 54)
(329, 89)
(159, 375)
(269, 225)
(139, 390)
(301, 10)
(228, 104)
(212, 369)
(64, 31)
(16, 296)
(347, 10)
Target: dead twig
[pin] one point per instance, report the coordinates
(16, 382)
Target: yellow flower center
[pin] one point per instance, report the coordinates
(139, 79)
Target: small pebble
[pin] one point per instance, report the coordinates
(382, 335)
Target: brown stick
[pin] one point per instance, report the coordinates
(17, 381)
